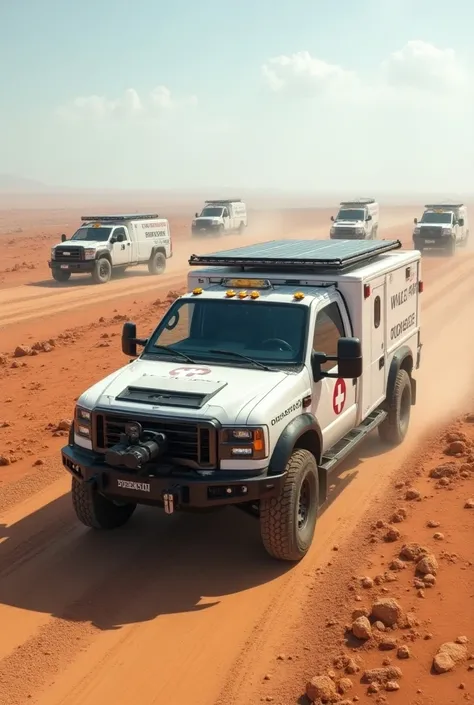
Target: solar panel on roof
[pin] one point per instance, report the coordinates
(300, 254)
(120, 217)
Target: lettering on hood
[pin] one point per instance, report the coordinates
(294, 407)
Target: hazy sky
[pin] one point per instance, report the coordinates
(301, 94)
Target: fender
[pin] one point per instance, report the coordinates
(103, 253)
(402, 359)
(158, 248)
(298, 427)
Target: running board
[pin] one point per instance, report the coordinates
(335, 455)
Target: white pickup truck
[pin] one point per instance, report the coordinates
(219, 217)
(112, 243)
(356, 220)
(253, 387)
(443, 226)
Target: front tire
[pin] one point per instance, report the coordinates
(60, 275)
(451, 248)
(241, 228)
(95, 511)
(102, 271)
(395, 427)
(418, 245)
(157, 263)
(287, 522)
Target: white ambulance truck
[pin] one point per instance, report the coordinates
(112, 243)
(443, 226)
(219, 217)
(356, 220)
(253, 387)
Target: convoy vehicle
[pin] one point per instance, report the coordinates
(228, 215)
(442, 226)
(356, 220)
(112, 243)
(253, 387)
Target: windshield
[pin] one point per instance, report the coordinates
(431, 217)
(92, 234)
(351, 214)
(246, 327)
(211, 212)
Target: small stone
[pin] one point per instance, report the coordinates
(392, 686)
(421, 594)
(387, 610)
(381, 675)
(462, 686)
(403, 652)
(391, 535)
(443, 663)
(412, 494)
(462, 640)
(360, 612)
(281, 657)
(428, 564)
(266, 677)
(367, 583)
(361, 628)
(373, 688)
(38, 462)
(380, 626)
(413, 551)
(455, 448)
(387, 645)
(419, 584)
(4, 461)
(446, 470)
(469, 504)
(22, 351)
(344, 685)
(352, 667)
(444, 482)
(64, 425)
(432, 524)
(449, 654)
(429, 580)
(321, 688)
(396, 564)
(438, 536)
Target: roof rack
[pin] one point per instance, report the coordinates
(447, 206)
(358, 202)
(120, 217)
(299, 254)
(224, 200)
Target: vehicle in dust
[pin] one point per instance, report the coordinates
(219, 217)
(443, 226)
(253, 387)
(356, 220)
(106, 244)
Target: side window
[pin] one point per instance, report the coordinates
(225, 213)
(122, 232)
(327, 331)
(377, 311)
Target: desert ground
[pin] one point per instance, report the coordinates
(190, 609)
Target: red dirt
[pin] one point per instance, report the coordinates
(147, 614)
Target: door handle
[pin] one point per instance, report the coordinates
(381, 363)
(128, 244)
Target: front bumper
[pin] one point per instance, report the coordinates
(347, 235)
(189, 490)
(80, 266)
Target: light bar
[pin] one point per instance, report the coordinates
(444, 206)
(247, 283)
(299, 254)
(358, 202)
(224, 200)
(121, 217)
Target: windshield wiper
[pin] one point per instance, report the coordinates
(171, 351)
(243, 357)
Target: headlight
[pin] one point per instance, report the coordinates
(332, 231)
(82, 422)
(194, 222)
(359, 231)
(53, 249)
(89, 253)
(237, 443)
(416, 231)
(446, 231)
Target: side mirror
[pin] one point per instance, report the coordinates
(120, 237)
(332, 218)
(369, 217)
(130, 340)
(415, 220)
(63, 238)
(196, 215)
(348, 359)
(461, 221)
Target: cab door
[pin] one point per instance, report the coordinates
(334, 402)
(121, 247)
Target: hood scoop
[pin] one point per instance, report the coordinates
(160, 391)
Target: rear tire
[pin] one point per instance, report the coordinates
(95, 511)
(287, 522)
(102, 271)
(157, 263)
(60, 275)
(395, 427)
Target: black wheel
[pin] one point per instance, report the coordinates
(95, 511)
(287, 522)
(60, 275)
(394, 429)
(157, 263)
(418, 244)
(451, 248)
(102, 271)
(241, 228)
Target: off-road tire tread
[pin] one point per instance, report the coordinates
(95, 273)
(276, 513)
(389, 429)
(95, 511)
(61, 276)
(152, 268)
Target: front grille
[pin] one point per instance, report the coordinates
(346, 234)
(190, 443)
(68, 254)
(432, 232)
(208, 224)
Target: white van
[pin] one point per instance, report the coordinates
(221, 216)
(106, 243)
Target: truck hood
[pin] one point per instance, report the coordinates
(435, 225)
(82, 243)
(346, 223)
(178, 389)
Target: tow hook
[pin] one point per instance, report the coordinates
(170, 501)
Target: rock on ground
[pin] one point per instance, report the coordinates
(449, 654)
(322, 688)
(387, 610)
(361, 628)
(427, 565)
(381, 675)
(413, 551)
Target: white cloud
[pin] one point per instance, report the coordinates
(417, 66)
(130, 105)
(423, 66)
(302, 69)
